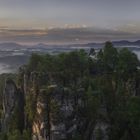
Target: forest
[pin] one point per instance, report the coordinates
(73, 96)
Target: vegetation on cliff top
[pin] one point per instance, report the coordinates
(108, 82)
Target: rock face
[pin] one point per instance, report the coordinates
(55, 114)
(62, 116)
(12, 102)
(9, 102)
(40, 122)
(54, 119)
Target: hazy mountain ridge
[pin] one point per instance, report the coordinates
(12, 45)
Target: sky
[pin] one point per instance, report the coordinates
(86, 20)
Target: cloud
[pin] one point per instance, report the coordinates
(130, 28)
(71, 34)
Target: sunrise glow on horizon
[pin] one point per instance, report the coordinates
(97, 19)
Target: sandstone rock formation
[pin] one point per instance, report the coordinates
(40, 122)
(55, 109)
(13, 105)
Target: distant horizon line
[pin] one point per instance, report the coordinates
(67, 43)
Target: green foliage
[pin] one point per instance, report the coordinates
(99, 134)
(3, 136)
(26, 135)
(30, 107)
(77, 137)
(107, 58)
(127, 64)
(15, 135)
(133, 116)
(104, 85)
(110, 56)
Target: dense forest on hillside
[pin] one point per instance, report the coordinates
(73, 96)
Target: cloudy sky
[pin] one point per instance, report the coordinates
(69, 20)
